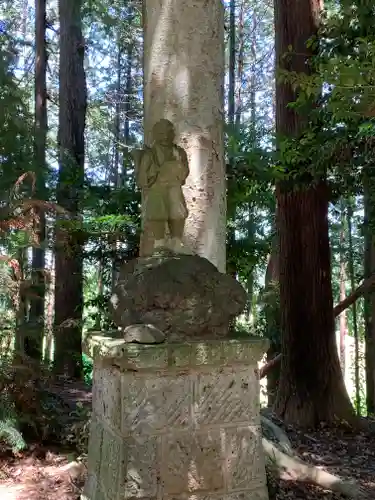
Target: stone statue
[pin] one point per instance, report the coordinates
(161, 171)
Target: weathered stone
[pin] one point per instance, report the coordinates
(192, 462)
(143, 334)
(189, 426)
(94, 454)
(245, 463)
(256, 493)
(106, 395)
(113, 352)
(226, 396)
(161, 170)
(113, 463)
(156, 405)
(184, 296)
(142, 470)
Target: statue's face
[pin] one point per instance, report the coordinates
(163, 133)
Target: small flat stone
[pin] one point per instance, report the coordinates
(143, 334)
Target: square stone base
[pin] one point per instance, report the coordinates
(183, 422)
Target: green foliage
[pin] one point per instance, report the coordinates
(9, 432)
(16, 142)
(340, 126)
(87, 369)
(268, 324)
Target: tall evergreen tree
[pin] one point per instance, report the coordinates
(311, 388)
(69, 244)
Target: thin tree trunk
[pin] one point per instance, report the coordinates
(37, 304)
(20, 307)
(117, 147)
(48, 354)
(253, 123)
(354, 312)
(127, 109)
(69, 255)
(240, 63)
(342, 318)
(232, 61)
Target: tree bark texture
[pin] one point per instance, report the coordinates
(68, 263)
(369, 305)
(37, 302)
(311, 387)
(184, 82)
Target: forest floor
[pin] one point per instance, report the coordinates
(349, 455)
(40, 474)
(50, 473)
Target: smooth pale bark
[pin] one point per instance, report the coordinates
(184, 83)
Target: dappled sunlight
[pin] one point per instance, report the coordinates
(183, 71)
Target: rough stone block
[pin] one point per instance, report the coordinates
(154, 356)
(153, 405)
(192, 462)
(91, 487)
(245, 465)
(184, 426)
(249, 494)
(225, 397)
(249, 353)
(106, 397)
(205, 353)
(95, 447)
(113, 465)
(142, 471)
(100, 495)
(180, 355)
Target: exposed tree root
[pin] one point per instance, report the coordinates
(284, 464)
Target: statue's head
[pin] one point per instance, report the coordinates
(163, 132)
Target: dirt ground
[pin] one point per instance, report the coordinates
(43, 474)
(351, 456)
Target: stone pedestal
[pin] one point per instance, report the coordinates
(176, 421)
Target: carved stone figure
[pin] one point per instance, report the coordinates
(161, 171)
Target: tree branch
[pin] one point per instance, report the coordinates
(338, 309)
(358, 293)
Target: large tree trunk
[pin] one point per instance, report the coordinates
(311, 387)
(69, 261)
(37, 301)
(369, 266)
(183, 82)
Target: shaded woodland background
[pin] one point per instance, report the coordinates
(70, 114)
